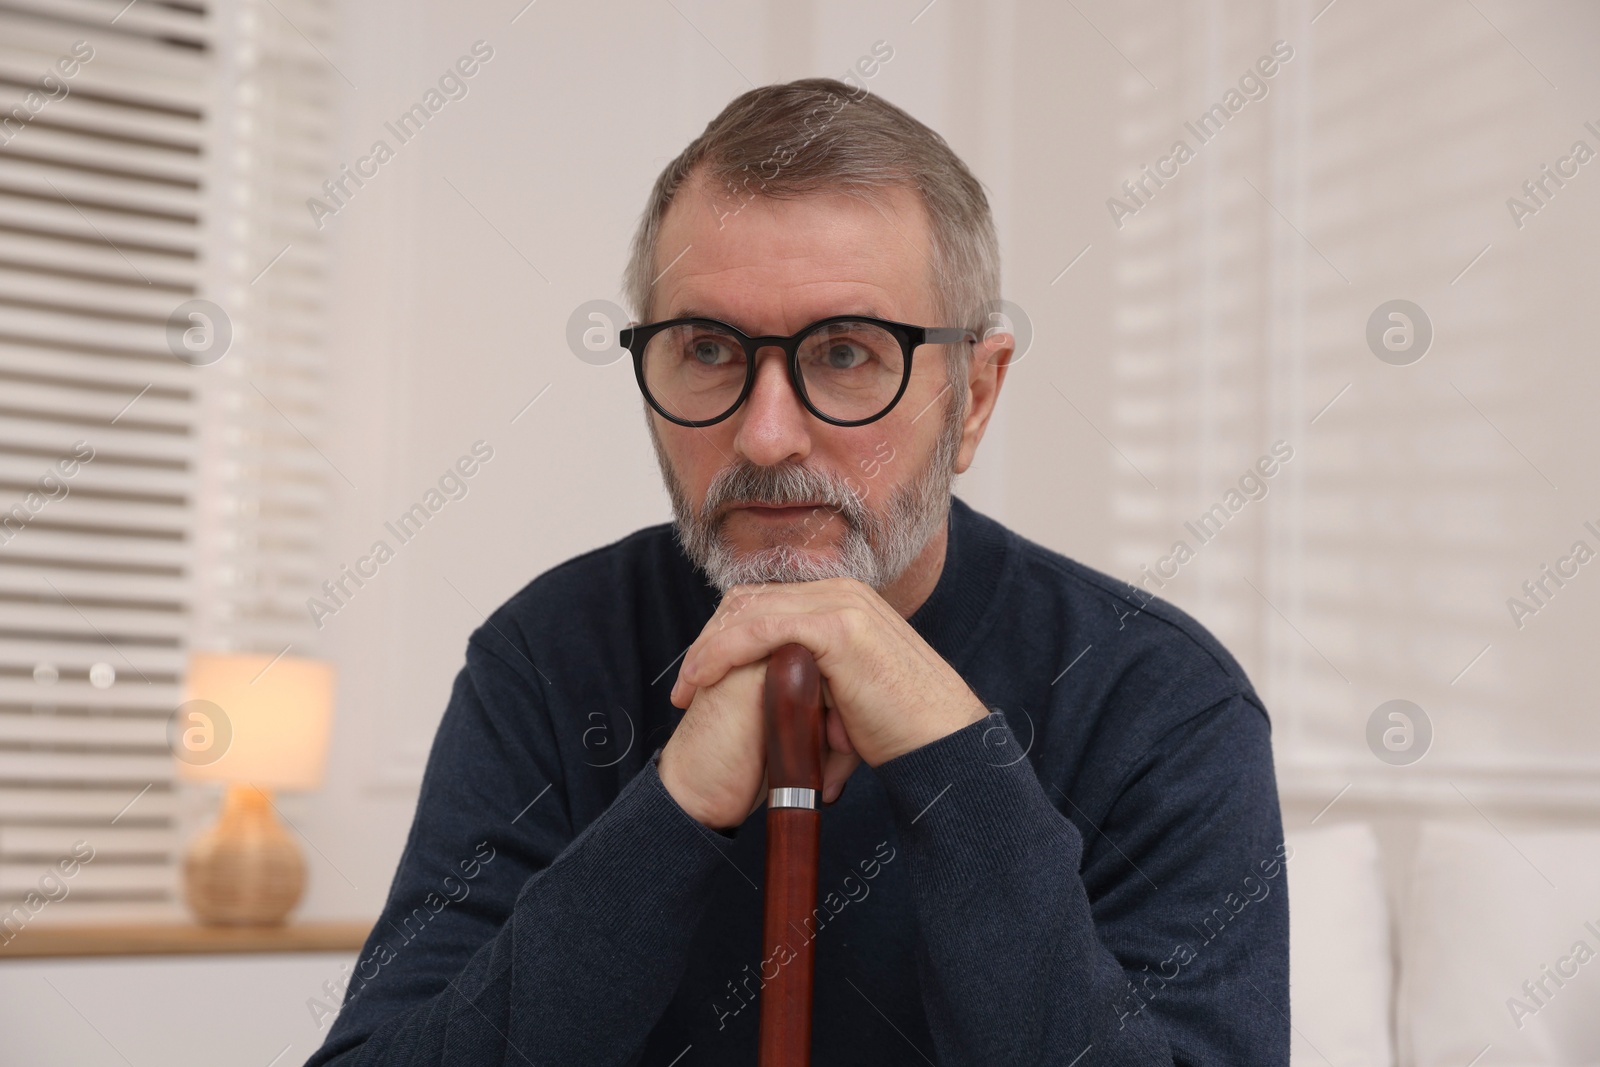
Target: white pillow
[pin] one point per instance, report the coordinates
(1482, 918)
(1340, 966)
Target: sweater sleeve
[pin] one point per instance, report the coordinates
(1167, 943)
(507, 938)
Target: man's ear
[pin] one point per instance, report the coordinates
(986, 372)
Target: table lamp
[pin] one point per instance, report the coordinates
(256, 723)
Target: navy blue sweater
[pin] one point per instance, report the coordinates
(1093, 875)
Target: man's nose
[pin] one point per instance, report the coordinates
(773, 423)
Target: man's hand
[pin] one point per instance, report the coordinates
(715, 762)
(887, 692)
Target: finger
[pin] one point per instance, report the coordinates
(761, 796)
(682, 692)
(713, 655)
(728, 640)
(838, 737)
(836, 771)
(732, 604)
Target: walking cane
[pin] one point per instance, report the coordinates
(793, 709)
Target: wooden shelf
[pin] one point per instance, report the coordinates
(183, 939)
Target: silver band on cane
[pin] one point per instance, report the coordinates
(792, 797)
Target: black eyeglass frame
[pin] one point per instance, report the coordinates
(636, 338)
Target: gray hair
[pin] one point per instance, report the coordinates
(820, 135)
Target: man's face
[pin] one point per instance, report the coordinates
(773, 493)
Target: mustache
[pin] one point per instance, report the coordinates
(783, 485)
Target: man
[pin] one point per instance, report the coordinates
(1050, 830)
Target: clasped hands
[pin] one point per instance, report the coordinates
(885, 692)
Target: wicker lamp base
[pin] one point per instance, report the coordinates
(245, 870)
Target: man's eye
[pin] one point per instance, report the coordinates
(710, 352)
(843, 355)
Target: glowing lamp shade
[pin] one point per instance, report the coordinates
(255, 719)
(257, 723)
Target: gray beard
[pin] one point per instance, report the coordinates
(874, 549)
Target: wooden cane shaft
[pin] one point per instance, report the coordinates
(793, 842)
(793, 710)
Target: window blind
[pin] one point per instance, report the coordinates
(158, 483)
(1374, 561)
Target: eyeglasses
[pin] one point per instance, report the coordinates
(847, 370)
